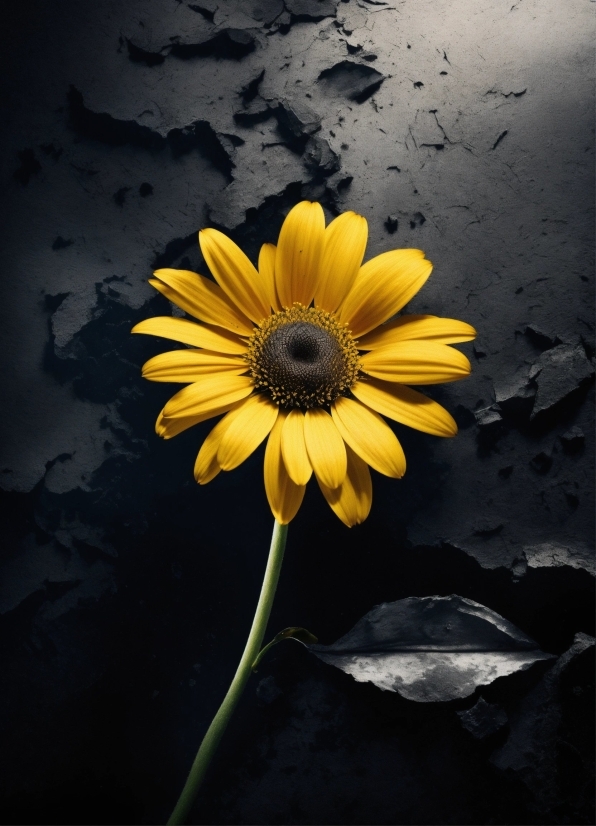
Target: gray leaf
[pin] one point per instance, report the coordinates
(431, 649)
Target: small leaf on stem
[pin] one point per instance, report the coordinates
(291, 633)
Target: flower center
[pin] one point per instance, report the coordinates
(303, 357)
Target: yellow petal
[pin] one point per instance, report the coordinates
(189, 365)
(206, 474)
(382, 287)
(351, 501)
(208, 393)
(416, 362)
(410, 327)
(267, 273)
(253, 423)
(299, 251)
(168, 428)
(293, 448)
(201, 298)
(284, 495)
(345, 242)
(235, 274)
(406, 406)
(369, 436)
(326, 449)
(206, 466)
(187, 332)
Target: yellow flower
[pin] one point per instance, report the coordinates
(301, 351)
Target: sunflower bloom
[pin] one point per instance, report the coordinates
(302, 352)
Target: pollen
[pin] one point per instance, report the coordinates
(303, 357)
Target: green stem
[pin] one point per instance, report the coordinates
(253, 645)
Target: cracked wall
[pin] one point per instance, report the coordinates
(461, 129)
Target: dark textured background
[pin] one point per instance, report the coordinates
(461, 128)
